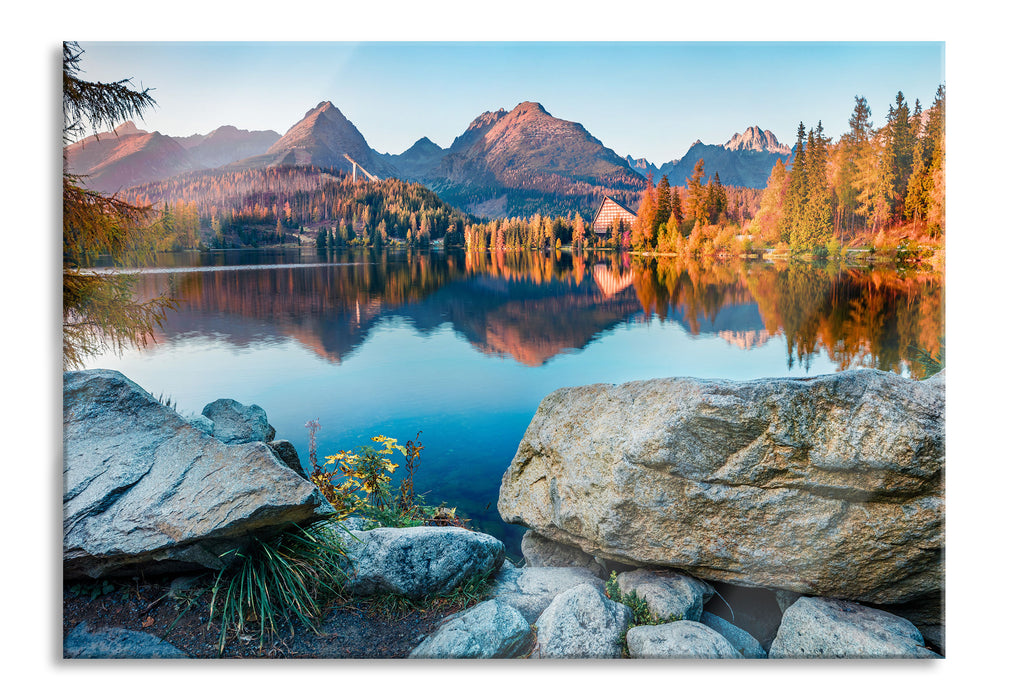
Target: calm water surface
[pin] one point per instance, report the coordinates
(463, 346)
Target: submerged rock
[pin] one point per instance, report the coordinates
(831, 485)
(825, 628)
(144, 489)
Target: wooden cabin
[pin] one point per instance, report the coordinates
(609, 212)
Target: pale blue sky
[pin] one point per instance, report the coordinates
(647, 99)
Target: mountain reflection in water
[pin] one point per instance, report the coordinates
(532, 307)
(384, 342)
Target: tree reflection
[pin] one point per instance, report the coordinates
(532, 306)
(860, 317)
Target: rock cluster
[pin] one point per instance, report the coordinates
(146, 489)
(829, 486)
(564, 612)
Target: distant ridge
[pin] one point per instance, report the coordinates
(745, 160)
(126, 156)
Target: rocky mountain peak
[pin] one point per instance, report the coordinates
(756, 139)
(128, 127)
(424, 144)
(533, 108)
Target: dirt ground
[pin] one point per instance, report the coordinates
(350, 630)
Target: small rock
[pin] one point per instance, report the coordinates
(814, 628)
(201, 423)
(83, 642)
(670, 595)
(531, 589)
(490, 630)
(582, 623)
(740, 640)
(288, 454)
(236, 423)
(685, 639)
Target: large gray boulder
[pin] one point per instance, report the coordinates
(416, 562)
(531, 589)
(144, 489)
(685, 639)
(236, 423)
(582, 623)
(670, 595)
(490, 630)
(825, 628)
(830, 485)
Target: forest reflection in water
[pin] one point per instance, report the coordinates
(533, 306)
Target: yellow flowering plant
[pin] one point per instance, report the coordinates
(359, 482)
(355, 480)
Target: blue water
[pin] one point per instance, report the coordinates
(465, 360)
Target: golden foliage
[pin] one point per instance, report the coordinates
(99, 310)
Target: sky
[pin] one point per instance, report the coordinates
(645, 99)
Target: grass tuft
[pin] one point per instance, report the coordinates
(395, 606)
(278, 580)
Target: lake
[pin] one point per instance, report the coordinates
(462, 346)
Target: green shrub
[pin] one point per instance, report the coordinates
(639, 606)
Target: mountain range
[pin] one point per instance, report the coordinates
(745, 160)
(506, 163)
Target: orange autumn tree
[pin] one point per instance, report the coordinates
(99, 310)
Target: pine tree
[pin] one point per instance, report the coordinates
(818, 215)
(927, 149)
(99, 310)
(663, 208)
(717, 199)
(871, 184)
(676, 206)
(795, 193)
(852, 150)
(697, 196)
(898, 155)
